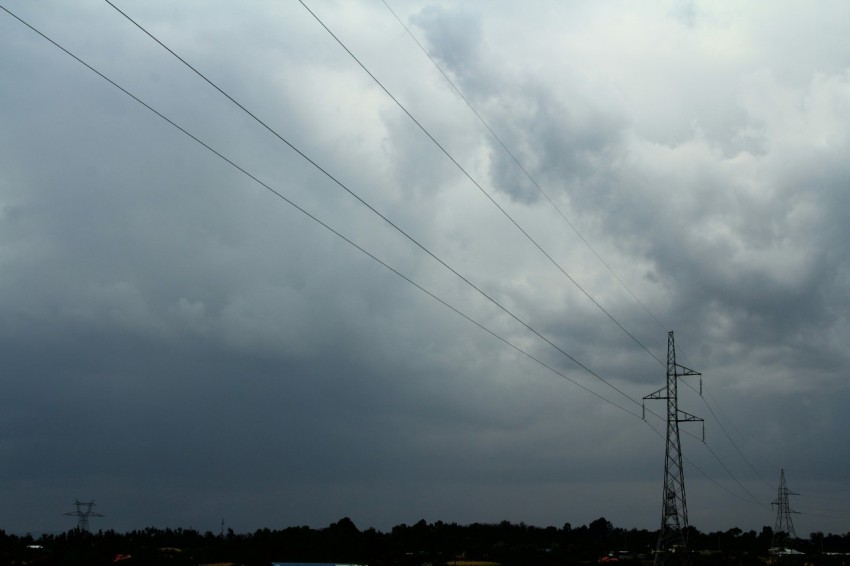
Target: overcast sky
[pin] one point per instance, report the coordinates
(182, 346)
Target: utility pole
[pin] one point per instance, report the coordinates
(783, 530)
(672, 547)
(83, 515)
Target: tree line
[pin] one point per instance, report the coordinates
(419, 544)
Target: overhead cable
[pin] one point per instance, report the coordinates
(376, 212)
(311, 216)
(331, 229)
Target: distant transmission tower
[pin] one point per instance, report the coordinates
(673, 539)
(783, 530)
(83, 515)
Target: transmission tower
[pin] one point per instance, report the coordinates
(672, 545)
(783, 530)
(83, 515)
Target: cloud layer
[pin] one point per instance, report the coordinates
(182, 346)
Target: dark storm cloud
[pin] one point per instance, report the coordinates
(735, 235)
(182, 346)
(557, 135)
(455, 38)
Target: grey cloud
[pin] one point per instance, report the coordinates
(180, 345)
(455, 38)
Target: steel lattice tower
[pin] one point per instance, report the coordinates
(783, 530)
(672, 539)
(83, 516)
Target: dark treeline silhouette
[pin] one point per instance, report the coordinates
(422, 543)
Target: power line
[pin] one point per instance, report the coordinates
(714, 454)
(325, 225)
(729, 437)
(478, 186)
(374, 210)
(332, 230)
(700, 470)
(731, 475)
(750, 447)
(468, 282)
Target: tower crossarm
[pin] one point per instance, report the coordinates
(684, 417)
(660, 394)
(685, 371)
